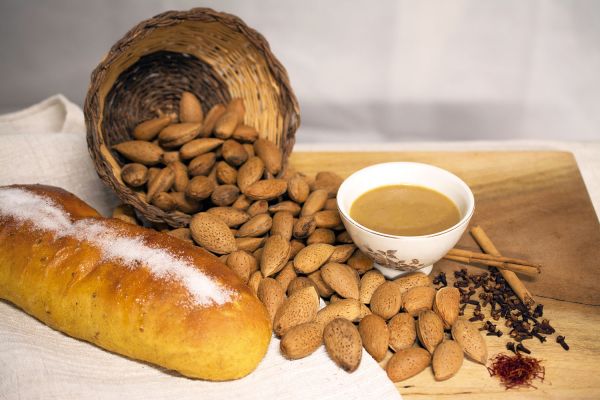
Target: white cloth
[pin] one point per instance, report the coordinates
(46, 144)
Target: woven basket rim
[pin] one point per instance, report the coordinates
(139, 32)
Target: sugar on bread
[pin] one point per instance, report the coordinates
(127, 289)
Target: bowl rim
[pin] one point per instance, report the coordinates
(465, 219)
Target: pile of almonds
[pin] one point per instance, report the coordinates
(280, 231)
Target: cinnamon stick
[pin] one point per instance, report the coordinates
(484, 256)
(521, 269)
(511, 278)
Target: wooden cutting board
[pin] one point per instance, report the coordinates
(533, 205)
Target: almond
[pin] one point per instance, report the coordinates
(245, 134)
(211, 119)
(125, 213)
(226, 174)
(283, 224)
(345, 308)
(226, 125)
(249, 149)
(322, 288)
(229, 215)
(299, 308)
(344, 237)
(140, 151)
(411, 280)
(149, 129)
(199, 188)
(430, 330)
(258, 252)
(403, 331)
(329, 181)
(364, 311)
(270, 154)
(301, 340)
(249, 243)
(162, 182)
(181, 176)
(368, 284)
(212, 233)
(407, 363)
(447, 304)
(254, 281)
(418, 299)
(289, 206)
(250, 172)
(343, 343)
(256, 226)
(335, 298)
(312, 257)
(360, 262)
(341, 278)
(176, 135)
(374, 335)
(234, 153)
(271, 294)
(321, 235)
(386, 300)
(342, 253)
(164, 201)
(197, 147)
(152, 172)
(134, 174)
(295, 247)
(243, 264)
(181, 234)
(190, 109)
(169, 157)
(202, 164)
(467, 335)
(300, 282)
(327, 219)
(315, 202)
(241, 203)
(212, 174)
(447, 360)
(224, 195)
(184, 203)
(258, 207)
(304, 227)
(331, 204)
(275, 255)
(233, 116)
(286, 275)
(298, 189)
(267, 189)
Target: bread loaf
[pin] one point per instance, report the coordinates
(127, 289)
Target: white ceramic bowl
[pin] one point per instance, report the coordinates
(398, 255)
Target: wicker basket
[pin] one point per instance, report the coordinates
(214, 55)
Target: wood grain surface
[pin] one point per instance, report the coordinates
(533, 205)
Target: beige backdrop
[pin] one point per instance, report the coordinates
(385, 69)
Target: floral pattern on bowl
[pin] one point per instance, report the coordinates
(388, 258)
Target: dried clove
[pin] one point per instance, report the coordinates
(561, 340)
(492, 291)
(522, 348)
(440, 279)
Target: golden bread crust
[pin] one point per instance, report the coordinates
(66, 283)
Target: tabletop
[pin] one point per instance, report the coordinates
(569, 374)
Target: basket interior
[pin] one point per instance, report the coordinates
(153, 86)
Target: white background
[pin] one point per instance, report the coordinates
(363, 70)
